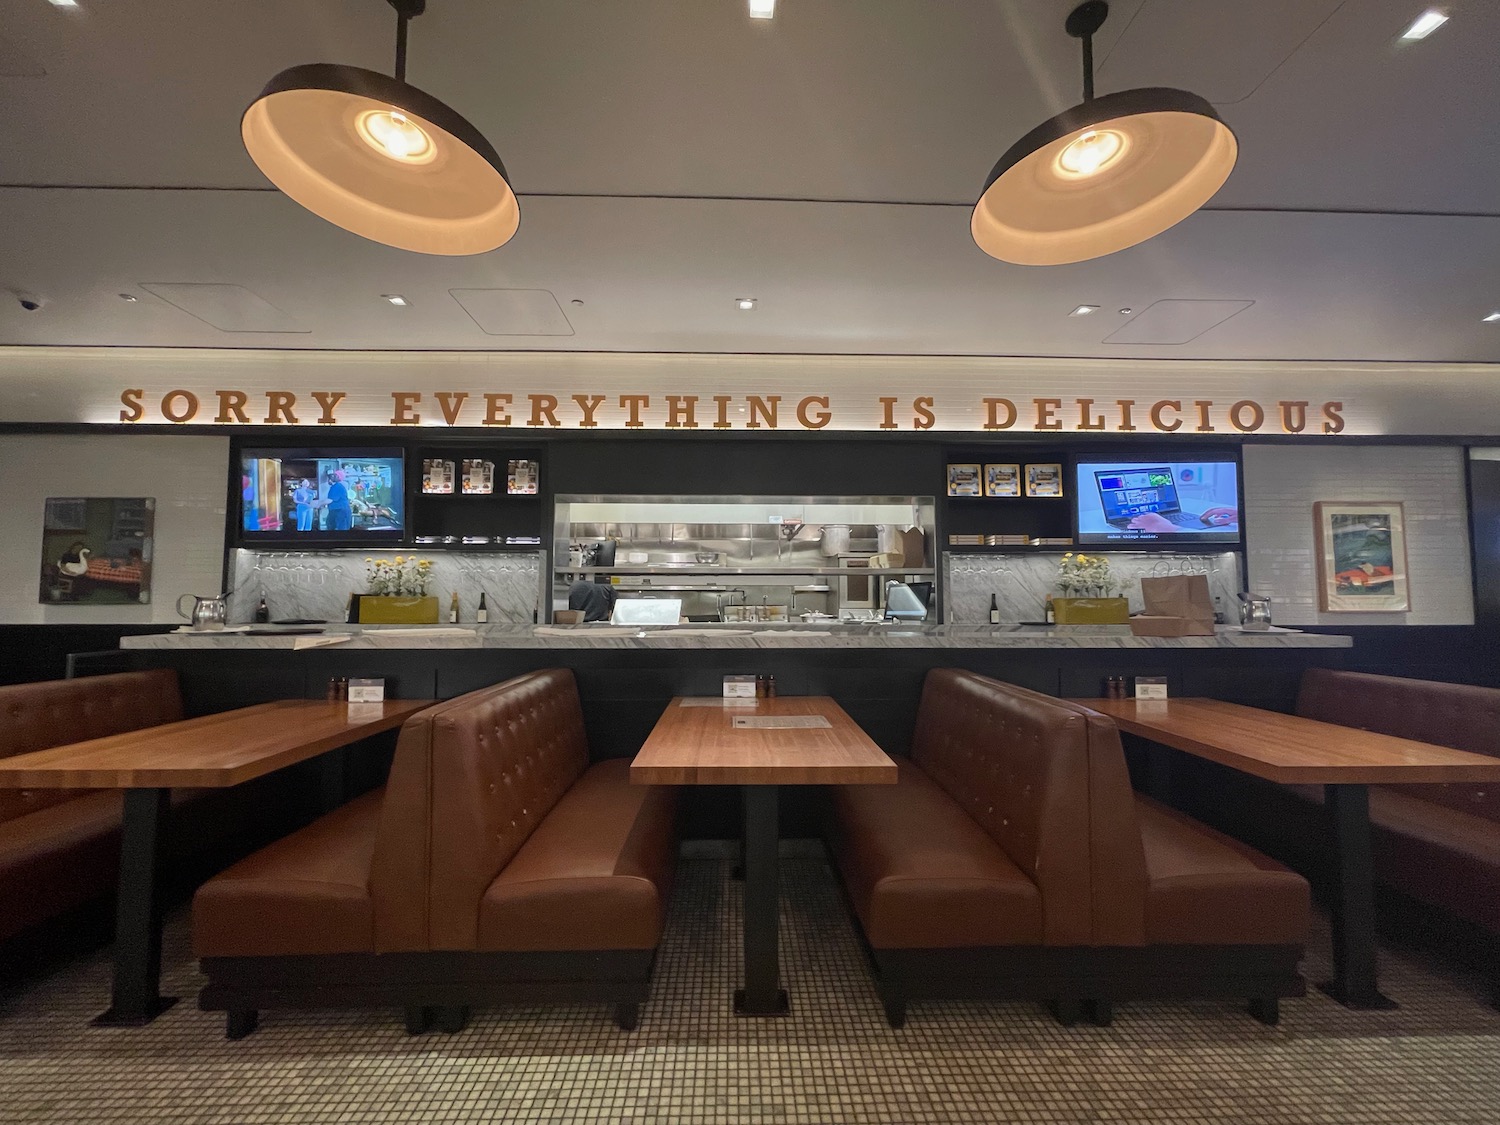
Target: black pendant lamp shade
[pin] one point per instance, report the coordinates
(1104, 175)
(380, 158)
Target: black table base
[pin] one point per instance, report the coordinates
(762, 994)
(1355, 982)
(136, 998)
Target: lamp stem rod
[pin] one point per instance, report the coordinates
(1088, 67)
(402, 19)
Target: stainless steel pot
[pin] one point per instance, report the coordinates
(888, 539)
(834, 539)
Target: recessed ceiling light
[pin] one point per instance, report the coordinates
(762, 9)
(1084, 310)
(128, 297)
(1425, 24)
(395, 299)
(577, 301)
(744, 304)
(1126, 311)
(1492, 318)
(63, 3)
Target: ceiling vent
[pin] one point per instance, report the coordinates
(229, 308)
(514, 312)
(1175, 322)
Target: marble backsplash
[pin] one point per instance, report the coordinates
(316, 584)
(1021, 583)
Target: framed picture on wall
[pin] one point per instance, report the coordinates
(964, 480)
(1044, 480)
(1361, 556)
(97, 550)
(1002, 480)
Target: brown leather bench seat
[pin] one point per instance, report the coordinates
(495, 865)
(1438, 844)
(59, 848)
(1012, 859)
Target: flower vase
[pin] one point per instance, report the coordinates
(1091, 611)
(386, 609)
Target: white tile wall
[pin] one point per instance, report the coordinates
(1282, 482)
(188, 476)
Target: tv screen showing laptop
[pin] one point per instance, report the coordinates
(1162, 502)
(329, 495)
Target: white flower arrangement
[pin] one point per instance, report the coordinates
(407, 577)
(1086, 576)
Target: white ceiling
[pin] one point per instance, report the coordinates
(672, 155)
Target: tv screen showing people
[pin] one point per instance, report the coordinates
(1175, 502)
(322, 494)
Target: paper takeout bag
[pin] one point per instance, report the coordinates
(1176, 606)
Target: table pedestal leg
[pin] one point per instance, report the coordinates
(136, 999)
(762, 994)
(1354, 983)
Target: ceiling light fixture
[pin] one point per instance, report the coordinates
(762, 9)
(380, 158)
(1126, 311)
(129, 297)
(72, 4)
(395, 299)
(1492, 318)
(1084, 310)
(1425, 24)
(744, 304)
(1105, 175)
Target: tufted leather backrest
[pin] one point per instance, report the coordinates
(471, 780)
(1459, 716)
(1018, 764)
(56, 712)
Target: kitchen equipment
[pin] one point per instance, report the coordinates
(902, 603)
(1255, 612)
(636, 558)
(604, 553)
(208, 613)
(834, 539)
(706, 558)
(888, 539)
(923, 590)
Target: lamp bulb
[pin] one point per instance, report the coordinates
(1091, 152)
(391, 133)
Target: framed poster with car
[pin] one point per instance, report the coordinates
(1362, 556)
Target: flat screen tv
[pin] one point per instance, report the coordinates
(322, 495)
(1162, 503)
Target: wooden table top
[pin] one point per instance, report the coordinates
(1291, 749)
(698, 744)
(214, 751)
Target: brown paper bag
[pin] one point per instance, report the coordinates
(1176, 606)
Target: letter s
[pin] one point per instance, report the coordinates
(131, 400)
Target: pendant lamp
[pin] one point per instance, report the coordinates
(1106, 174)
(380, 158)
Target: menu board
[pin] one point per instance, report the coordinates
(437, 477)
(521, 478)
(479, 477)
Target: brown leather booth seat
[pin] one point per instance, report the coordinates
(1438, 844)
(493, 855)
(59, 848)
(1012, 858)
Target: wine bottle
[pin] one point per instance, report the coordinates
(482, 614)
(453, 609)
(1049, 611)
(994, 611)
(262, 612)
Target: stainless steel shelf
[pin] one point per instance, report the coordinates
(738, 572)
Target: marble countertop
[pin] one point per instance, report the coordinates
(731, 637)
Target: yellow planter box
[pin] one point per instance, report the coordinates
(385, 610)
(1091, 611)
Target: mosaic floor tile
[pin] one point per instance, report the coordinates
(692, 1062)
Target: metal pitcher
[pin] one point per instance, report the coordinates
(207, 613)
(1255, 612)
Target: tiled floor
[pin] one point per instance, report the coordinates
(1435, 1060)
